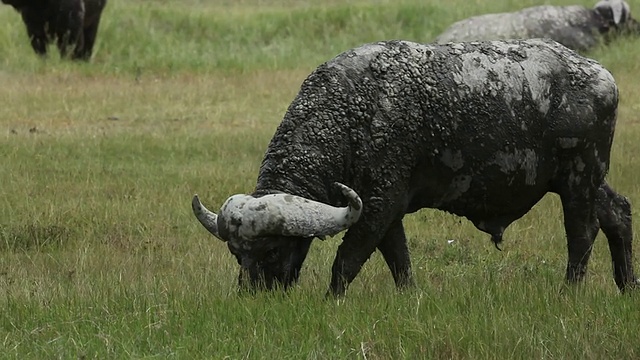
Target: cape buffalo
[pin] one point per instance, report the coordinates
(577, 27)
(72, 23)
(482, 130)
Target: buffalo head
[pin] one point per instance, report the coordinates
(617, 15)
(270, 235)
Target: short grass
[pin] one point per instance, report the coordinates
(100, 256)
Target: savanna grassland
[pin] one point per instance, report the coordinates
(101, 257)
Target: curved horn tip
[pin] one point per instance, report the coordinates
(195, 203)
(352, 195)
(207, 218)
(345, 189)
(197, 206)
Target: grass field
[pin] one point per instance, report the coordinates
(100, 256)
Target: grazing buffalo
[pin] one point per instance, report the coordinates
(73, 24)
(576, 27)
(482, 130)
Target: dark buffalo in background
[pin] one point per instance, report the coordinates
(73, 24)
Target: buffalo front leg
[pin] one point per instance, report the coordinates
(614, 215)
(84, 50)
(359, 242)
(395, 252)
(349, 260)
(581, 226)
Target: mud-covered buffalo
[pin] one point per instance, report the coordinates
(482, 130)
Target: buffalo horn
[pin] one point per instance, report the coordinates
(207, 218)
(247, 217)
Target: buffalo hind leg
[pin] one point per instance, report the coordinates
(68, 27)
(614, 215)
(68, 40)
(37, 37)
(581, 226)
(395, 252)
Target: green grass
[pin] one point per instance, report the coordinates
(100, 256)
